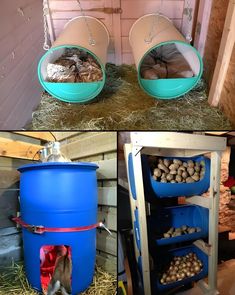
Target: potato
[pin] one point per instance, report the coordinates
(185, 164)
(176, 161)
(170, 177)
(190, 163)
(179, 172)
(163, 167)
(190, 171)
(157, 172)
(163, 180)
(163, 175)
(197, 167)
(196, 176)
(154, 177)
(173, 166)
(178, 178)
(166, 162)
(189, 180)
(185, 174)
(202, 163)
(173, 172)
(173, 181)
(181, 168)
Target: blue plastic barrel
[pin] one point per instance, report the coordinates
(60, 195)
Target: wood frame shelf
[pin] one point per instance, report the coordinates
(178, 145)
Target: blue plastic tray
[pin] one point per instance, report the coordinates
(165, 260)
(191, 215)
(131, 176)
(164, 190)
(137, 233)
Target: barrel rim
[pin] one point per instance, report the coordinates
(164, 43)
(146, 15)
(92, 17)
(57, 164)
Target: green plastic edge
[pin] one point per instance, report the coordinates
(159, 81)
(97, 86)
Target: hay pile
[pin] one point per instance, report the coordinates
(122, 105)
(13, 282)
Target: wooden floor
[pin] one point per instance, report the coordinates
(226, 280)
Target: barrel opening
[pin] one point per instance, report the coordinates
(56, 269)
(75, 83)
(170, 60)
(170, 69)
(71, 65)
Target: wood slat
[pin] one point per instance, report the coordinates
(18, 149)
(107, 169)
(224, 56)
(137, 8)
(107, 196)
(106, 242)
(108, 262)
(9, 179)
(108, 215)
(8, 206)
(45, 136)
(99, 143)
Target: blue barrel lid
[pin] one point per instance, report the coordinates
(57, 165)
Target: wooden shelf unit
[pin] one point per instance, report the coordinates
(177, 145)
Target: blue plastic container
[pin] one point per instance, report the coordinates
(137, 230)
(60, 195)
(166, 257)
(131, 176)
(164, 190)
(79, 92)
(190, 215)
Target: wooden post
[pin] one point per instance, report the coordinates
(136, 156)
(213, 219)
(224, 56)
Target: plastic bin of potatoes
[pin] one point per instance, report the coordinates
(174, 177)
(178, 224)
(181, 266)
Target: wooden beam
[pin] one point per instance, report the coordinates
(64, 135)
(45, 136)
(100, 142)
(224, 56)
(17, 149)
(204, 12)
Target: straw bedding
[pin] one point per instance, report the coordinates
(14, 282)
(122, 105)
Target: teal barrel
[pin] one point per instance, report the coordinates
(86, 34)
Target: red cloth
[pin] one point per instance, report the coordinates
(229, 182)
(50, 254)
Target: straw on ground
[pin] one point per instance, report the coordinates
(13, 282)
(122, 105)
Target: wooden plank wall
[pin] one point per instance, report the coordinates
(133, 9)
(215, 31)
(100, 148)
(119, 24)
(21, 40)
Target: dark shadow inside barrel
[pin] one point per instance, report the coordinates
(170, 69)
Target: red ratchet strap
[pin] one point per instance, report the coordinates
(39, 229)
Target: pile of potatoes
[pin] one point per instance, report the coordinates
(178, 231)
(181, 267)
(177, 171)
